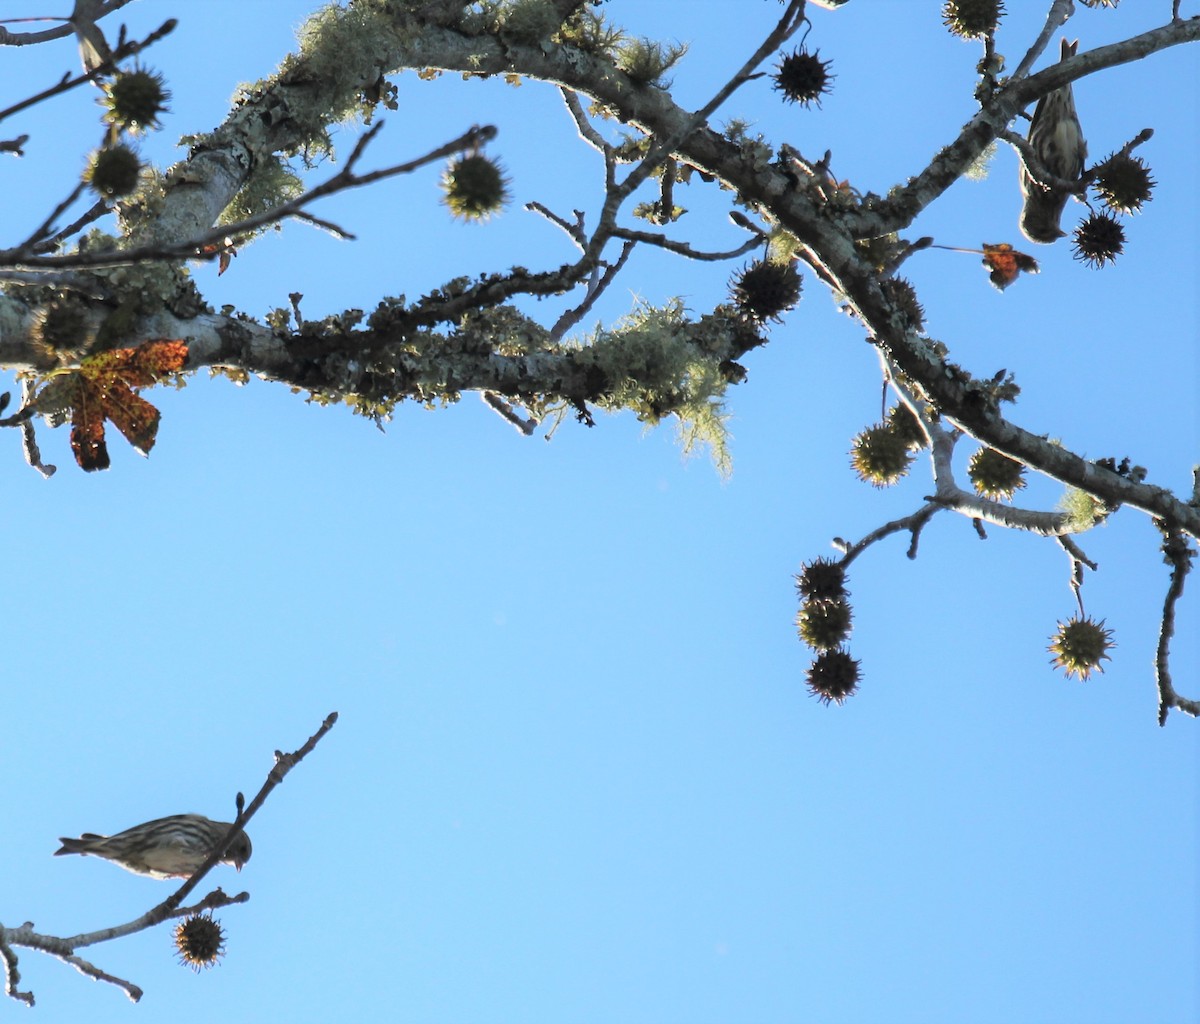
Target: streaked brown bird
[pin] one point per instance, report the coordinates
(172, 847)
(1057, 139)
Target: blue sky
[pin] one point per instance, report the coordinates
(577, 777)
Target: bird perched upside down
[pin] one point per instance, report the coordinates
(172, 847)
(1057, 138)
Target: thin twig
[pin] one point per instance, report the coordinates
(195, 248)
(123, 52)
(682, 248)
(505, 410)
(284, 763)
(92, 971)
(570, 318)
(64, 948)
(914, 523)
(12, 976)
(1179, 555)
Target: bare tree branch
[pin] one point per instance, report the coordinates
(64, 948)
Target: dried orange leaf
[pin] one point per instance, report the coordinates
(1005, 263)
(104, 390)
(87, 431)
(133, 416)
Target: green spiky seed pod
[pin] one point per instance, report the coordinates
(1080, 645)
(475, 187)
(995, 475)
(902, 293)
(833, 676)
(803, 77)
(972, 19)
(1123, 183)
(879, 456)
(134, 100)
(1099, 240)
(200, 941)
(903, 422)
(824, 625)
(765, 290)
(113, 171)
(821, 580)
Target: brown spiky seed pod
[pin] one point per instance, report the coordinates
(880, 456)
(821, 579)
(765, 290)
(972, 19)
(803, 77)
(833, 676)
(1123, 183)
(200, 941)
(1080, 645)
(823, 625)
(474, 187)
(1099, 240)
(113, 171)
(994, 475)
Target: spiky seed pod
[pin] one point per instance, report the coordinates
(902, 293)
(995, 475)
(1099, 240)
(1080, 645)
(134, 100)
(1100, 3)
(824, 625)
(803, 77)
(833, 676)
(903, 422)
(879, 456)
(475, 187)
(113, 171)
(972, 19)
(821, 580)
(765, 290)
(1123, 183)
(61, 327)
(200, 941)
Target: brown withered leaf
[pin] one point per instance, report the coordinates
(103, 389)
(1005, 263)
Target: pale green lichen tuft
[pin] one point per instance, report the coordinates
(646, 61)
(655, 359)
(271, 185)
(1083, 510)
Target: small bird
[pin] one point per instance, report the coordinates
(1057, 138)
(171, 847)
(94, 51)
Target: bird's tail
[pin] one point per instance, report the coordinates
(84, 844)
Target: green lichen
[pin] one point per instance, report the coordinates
(587, 30)
(646, 61)
(659, 364)
(271, 184)
(338, 48)
(1083, 510)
